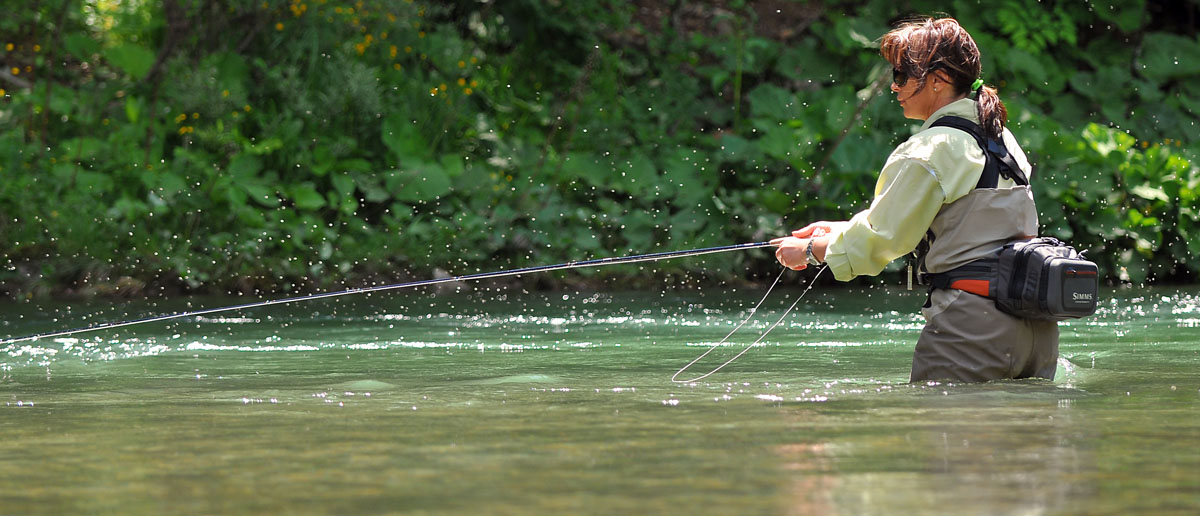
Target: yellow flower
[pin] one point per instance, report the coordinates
(37, 48)
(185, 129)
(16, 71)
(407, 50)
(195, 116)
(397, 66)
(360, 48)
(2, 92)
(474, 83)
(468, 91)
(462, 64)
(462, 82)
(442, 86)
(421, 34)
(279, 26)
(392, 50)
(433, 91)
(474, 60)
(224, 93)
(8, 47)
(391, 17)
(246, 108)
(1145, 144)
(179, 119)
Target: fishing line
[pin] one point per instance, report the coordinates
(395, 286)
(739, 326)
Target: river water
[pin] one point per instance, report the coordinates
(507, 402)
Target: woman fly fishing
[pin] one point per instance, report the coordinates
(934, 196)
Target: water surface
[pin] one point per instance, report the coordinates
(507, 402)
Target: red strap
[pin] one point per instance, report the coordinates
(974, 286)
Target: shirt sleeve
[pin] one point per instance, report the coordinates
(908, 198)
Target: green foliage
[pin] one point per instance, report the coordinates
(250, 146)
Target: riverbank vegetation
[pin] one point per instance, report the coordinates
(163, 146)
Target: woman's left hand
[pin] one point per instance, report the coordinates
(791, 252)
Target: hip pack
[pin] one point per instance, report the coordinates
(1039, 278)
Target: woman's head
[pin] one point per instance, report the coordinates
(940, 50)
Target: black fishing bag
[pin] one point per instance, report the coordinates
(1043, 278)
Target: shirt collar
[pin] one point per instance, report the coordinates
(965, 108)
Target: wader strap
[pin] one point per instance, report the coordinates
(997, 161)
(918, 256)
(977, 277)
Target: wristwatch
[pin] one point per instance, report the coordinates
(808, 253)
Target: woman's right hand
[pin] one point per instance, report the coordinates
(820, 228)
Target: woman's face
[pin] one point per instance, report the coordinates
(919, 105)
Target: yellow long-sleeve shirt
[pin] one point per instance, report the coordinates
(935, 167)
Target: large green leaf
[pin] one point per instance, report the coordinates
(1167, 56)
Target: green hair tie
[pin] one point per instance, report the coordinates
(977, 84)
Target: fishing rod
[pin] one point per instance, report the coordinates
(395, 286)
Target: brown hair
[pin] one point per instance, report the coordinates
(921, 47)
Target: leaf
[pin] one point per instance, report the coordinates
(1167, 56)
(131, 58)
(772, 102)
(81, 46)
(1148, 192)
(1023, 63)
(266, 146)
(84, 148)
(419, 183)
(735, 148)
(343, 183)
(133, 109)
(638, 174)
(244, 167)
(1127, 15)
(372, 190)
(306, 197)
(261, 194)
(587, 166)
(404, 139)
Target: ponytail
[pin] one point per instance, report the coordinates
(992, 114)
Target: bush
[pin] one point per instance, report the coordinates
(279, 145)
